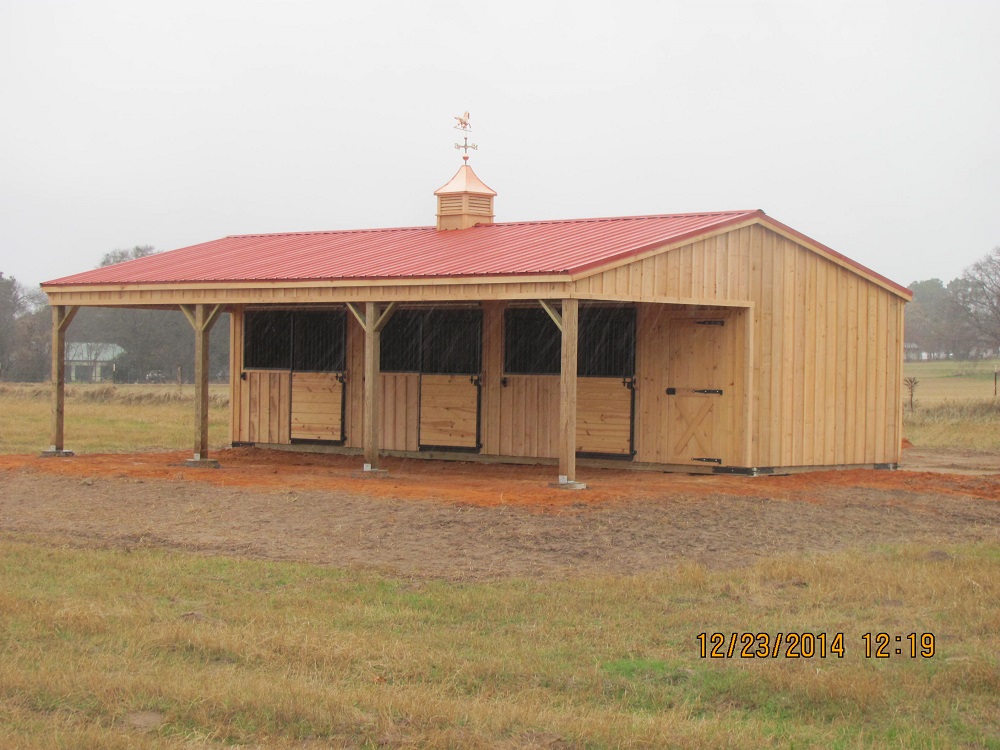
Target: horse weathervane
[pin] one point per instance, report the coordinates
(466, 127)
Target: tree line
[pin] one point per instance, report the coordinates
(154, 342)
(960, 320)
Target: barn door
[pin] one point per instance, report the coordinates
(698, 399)
(318, 406)
(450, 364)
(604, 413)
(449, 412)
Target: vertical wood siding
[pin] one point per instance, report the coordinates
(265, 407)
(399, 410)
(826, 346)
(529, 416)
(823, 344)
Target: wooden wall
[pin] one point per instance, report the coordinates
(823, 344)
(826, 343)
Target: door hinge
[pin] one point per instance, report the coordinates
(710, 391)
(708, 460)
(710, 322)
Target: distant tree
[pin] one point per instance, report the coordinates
(24, 332)
(123, 254)
(936, 321)
(977, 294)
(925, 315)
(33, 339)
(12, 305)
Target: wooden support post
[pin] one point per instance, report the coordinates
(62, 316)
(567, 396)
(373, 337)
(202, 321)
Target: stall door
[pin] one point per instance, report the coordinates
(318, 406)
(604, 417)
(450, 363)
(698, 396)
(449, 412)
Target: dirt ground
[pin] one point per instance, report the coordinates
(467, 521)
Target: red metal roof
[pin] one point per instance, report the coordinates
(516, 248)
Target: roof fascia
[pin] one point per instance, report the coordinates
(181, 286)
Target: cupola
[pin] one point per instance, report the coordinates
(466, 200)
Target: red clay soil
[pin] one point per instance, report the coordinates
(475, 521)
(495, 484)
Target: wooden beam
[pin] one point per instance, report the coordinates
(356, 312)
(567, 394)
(188, 311)
(371, 416)
(384, 318)
(553, 313)
(212, 317)
(62, 316)
(201, 319)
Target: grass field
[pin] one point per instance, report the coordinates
(949, 380)
(145, 648)
(110, 419)
(118, 649)
(954, 406)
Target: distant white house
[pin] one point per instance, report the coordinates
(91, 362)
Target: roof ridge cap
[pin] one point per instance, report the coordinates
(640, 217)
(328, 231)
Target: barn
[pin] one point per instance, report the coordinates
(713, 342)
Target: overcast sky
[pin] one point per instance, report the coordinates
(873, 127)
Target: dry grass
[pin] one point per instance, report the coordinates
(105, 393)
(954, 406)
(155, 649)
(109, 419)
(951, 380)
(969, 424)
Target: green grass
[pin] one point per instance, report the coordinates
(110, 419)
(950, 380)
(279, 655)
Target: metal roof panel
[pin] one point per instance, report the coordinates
(502, 249)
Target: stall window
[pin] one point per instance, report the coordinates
(532, 343)
(452, 342)
(606, 348)
(318, 341)
(267, 343)
(285, 340)
(607, 342)
(433, 341)
(400, 343)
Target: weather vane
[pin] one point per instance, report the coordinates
(466, 127)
